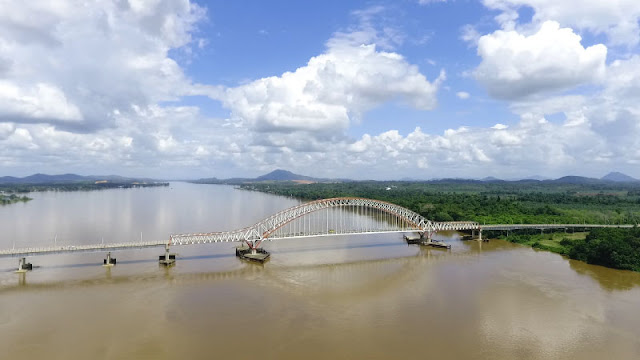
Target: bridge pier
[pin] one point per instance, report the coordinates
(480, 236)
(24, 266)
(109, 261)
(428, 241)
(252, 252)
(167, 259)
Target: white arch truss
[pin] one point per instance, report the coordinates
(265, 228)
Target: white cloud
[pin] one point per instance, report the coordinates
(515, 65)
(62, 110)
(618, 19)
(6, 129)
(543, 146)
(41, 102)
(463, 95)
(73, 66)
(332, 90)
(469, 34)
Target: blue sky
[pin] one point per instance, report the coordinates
(361, 89)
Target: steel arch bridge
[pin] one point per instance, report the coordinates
(322, 216)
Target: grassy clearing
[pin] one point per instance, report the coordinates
(557, 242)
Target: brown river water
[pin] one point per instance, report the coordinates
(343, 297)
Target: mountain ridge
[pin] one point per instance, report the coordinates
(285, 175)
(618, 177)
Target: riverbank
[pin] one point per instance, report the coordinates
(611, 247)
(6, 199)
(77, 186)
(557, 242)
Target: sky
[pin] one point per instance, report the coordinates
(418, 89)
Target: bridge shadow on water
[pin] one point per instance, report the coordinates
(329, 248)
(246, 270)
(125, 262)
(213, 256)
(609, 279)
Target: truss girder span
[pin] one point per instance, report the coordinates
(267, 227)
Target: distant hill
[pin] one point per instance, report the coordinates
(618, 177)
(40, 179)
(490, 178)
(575, 180)
(535, 177)
(283, 175)
(276, 175)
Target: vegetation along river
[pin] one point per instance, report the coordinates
(343, 297)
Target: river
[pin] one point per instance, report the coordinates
(343, 297)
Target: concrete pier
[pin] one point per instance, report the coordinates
(24, 266)
(426, 241)
(412, 240)
(260, 255)
(109, 261)
(167, 259)
(436, 244)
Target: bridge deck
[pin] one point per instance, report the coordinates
(17, 252)
(79, 248)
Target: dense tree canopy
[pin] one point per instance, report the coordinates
(513, 202)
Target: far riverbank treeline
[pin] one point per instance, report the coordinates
(505, 203)
(486, 203)
(75, 186)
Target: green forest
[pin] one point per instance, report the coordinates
(12, 198)
(75, 186)
(486, 203)
(509, 202)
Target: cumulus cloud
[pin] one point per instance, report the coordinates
(41, 102)
(75, 66)
(6, 129)
(62, 109)
(540, 144)
(332, 89)
(516, 65)
(618, 19)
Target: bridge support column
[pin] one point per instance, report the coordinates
(426, 237)
(167, 259)
(24, 266)
(252, 252)
(428, 240)
(109, 261)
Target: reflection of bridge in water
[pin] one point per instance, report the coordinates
(326, 217)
